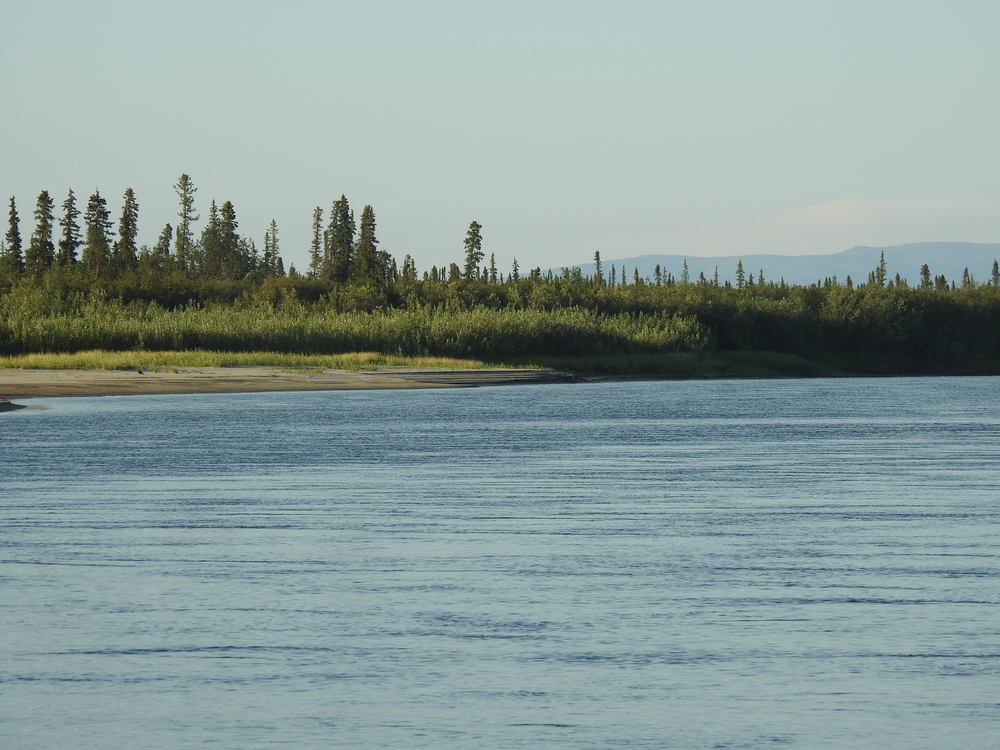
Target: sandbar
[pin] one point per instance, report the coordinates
(47, 383)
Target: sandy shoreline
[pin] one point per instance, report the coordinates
(42, 383)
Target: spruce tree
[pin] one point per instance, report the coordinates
(473, 250)
(15, 256)
(880, 272)
(71, 241)
(316, 248)
(995, 276)
(184, 242)
(271, 265)
(279, 266)
(161, 250)
(740, 275)
(925, 276)
(338, 242)
(210, 265)
(409, 272)
(41, 252)
(368, 262)
(345, 260)
(514, 271)
(126, 255)
(233, 265)
(97, 247)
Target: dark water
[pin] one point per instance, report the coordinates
(743, 564)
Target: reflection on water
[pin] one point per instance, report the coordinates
(654, 564)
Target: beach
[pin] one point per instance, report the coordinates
(46, 383)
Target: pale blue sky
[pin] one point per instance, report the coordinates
(563, 127)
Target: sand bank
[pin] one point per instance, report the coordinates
(39, 383)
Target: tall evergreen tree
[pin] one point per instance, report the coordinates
(267, 260)
(880, 271)
(369, 264)
(126, 254)
(97, 247)
(70, 242)
(14, 256)
(184, 242)
(514, 271)
(995, 275)
(925, 276)
(211, 245)
(338, 242)
(233, 265)
(316, 248)
(740, 275)
(598, 274)
(473, 250)
(272, 264)
(41, 252)
(161, 250)
(409, 272)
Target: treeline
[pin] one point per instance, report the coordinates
(95, 253)
(87, 288)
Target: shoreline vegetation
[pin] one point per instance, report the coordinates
(84, 299)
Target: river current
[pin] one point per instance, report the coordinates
(686, 564)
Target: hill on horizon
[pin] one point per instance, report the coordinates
(948, 258)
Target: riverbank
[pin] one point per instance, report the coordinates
(34, 383)
(125, 373)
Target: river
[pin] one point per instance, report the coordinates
(689, 564)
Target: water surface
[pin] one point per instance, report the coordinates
(696, 564)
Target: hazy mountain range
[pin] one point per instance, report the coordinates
(948, 258)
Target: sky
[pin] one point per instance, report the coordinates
(564, 128)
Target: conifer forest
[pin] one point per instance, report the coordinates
(72, 278)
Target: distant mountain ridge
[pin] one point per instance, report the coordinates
(947, 258)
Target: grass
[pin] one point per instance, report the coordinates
(353, 362)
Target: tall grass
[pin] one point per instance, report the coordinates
(32, 325)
